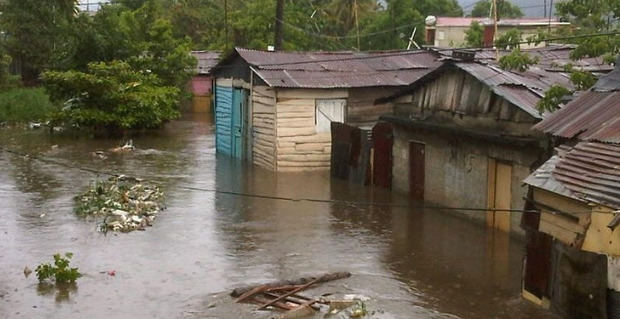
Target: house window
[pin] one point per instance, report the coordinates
(327, 111)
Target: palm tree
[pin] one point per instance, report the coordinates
(343, 12)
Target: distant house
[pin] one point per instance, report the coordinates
(573, 256)
(275, 108)
(449, 32)
(462, 135)
(201, 83)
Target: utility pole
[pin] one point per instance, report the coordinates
(550, 15)
(545, 7)
(357, 26)
(495, 28)
(278, 25)
(226, 22)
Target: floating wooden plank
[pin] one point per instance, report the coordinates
(301, 281)
(296, 290)
(251, 293)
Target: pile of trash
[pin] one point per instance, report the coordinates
(122, 203)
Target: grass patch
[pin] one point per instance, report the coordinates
(21, 105)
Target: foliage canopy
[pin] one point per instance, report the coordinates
(111, 97)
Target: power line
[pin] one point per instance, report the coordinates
(301, 199)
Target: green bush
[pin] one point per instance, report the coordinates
(25, 105)
(59, 271)
(111, 96)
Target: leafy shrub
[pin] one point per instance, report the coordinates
(59, 271)
(553, 98)
(111, 96)
(509, 40)
(474, 36)
(25, 105)
(517, 60)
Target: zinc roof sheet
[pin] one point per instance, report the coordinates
(206, 61)
(589, 171)
(593, 116)
(339, 69)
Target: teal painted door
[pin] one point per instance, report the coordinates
(239, 113)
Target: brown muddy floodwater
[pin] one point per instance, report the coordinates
(410, 263)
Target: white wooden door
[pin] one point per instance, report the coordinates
(327, 111)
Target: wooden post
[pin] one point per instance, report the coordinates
(278, 24)
(357, 27)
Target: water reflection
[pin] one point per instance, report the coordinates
(412, 263)
(61, 291)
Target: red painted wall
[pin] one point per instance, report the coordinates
(201, 85)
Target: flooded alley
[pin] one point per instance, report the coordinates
(259, 226)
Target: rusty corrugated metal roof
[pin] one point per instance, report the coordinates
(339, 69)
(550, 58)
(523, 89)
(589, 172)
(206, 61)
(593, 116)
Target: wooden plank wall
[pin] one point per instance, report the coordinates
(264, 127)
(299, 146)
(361, 108)
(457, 92)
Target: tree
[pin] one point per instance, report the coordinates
(509, 40)
(553, 98)
(111, 97)
(474, 36)
(505, 9)
(589, 17)
(343, 12)
(517, 60)
(36, 34)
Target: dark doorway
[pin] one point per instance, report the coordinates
(416, 170)
(383, 139)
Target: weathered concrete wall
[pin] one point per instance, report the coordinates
(456, 170)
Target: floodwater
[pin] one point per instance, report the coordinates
(410, 263)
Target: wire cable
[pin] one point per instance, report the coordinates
(300, 199)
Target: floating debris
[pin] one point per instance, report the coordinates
(128, 147)
(123, 203)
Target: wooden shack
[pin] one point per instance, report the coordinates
(285, 102)
(462, 133)
(575, 202)
(201, 83)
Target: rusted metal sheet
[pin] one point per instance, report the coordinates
(537, 272)
(592, 116)
(350, 153)
(588, 172)
(206, 61)
(383, 139)
(339, 69)
(416, 170)
(342, 149)
(579, 283)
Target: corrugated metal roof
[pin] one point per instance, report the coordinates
(206, 61)
(339, 69)
(523, 89)
(589, 172)
(593, 116)
(550, 58)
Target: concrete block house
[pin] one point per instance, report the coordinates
(462, 135)
(274, 109)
